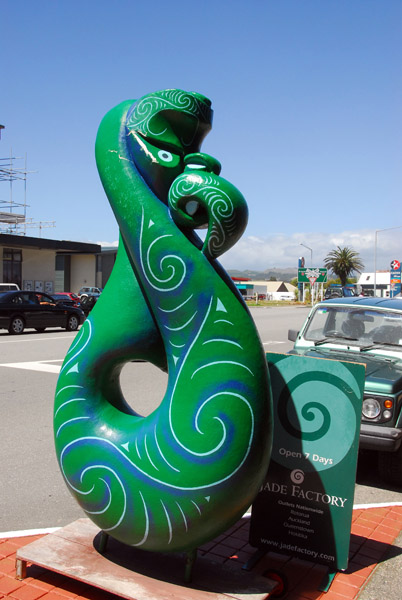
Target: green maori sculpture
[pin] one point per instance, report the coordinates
(178, 477)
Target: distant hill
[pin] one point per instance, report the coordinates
(285, 274)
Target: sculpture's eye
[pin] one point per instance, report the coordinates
(165, 156)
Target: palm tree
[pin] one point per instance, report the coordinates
(342, 262)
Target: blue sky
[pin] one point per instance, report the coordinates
(307, 112)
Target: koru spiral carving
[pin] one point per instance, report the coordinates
(186, 472)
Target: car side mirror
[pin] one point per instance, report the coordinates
(292, 335)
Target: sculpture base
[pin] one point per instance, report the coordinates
(135, 574)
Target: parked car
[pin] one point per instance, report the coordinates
(369, 331)
(90, 291)
(8, 287)
(87, 302)
(19, 310)
(66, 298)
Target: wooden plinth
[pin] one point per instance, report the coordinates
(134, 574)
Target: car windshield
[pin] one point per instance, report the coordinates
(365, 327)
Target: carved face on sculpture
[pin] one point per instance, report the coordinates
(160, 137)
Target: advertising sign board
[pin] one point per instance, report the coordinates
(312, 275)
(395, 278)
(304, 507)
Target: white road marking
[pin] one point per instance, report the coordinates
(24, 339)
(271, 342)
(39, 365)
(27, 532)
(377, 505)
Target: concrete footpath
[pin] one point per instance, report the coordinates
(374, 571)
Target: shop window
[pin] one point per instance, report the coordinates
(12, 266)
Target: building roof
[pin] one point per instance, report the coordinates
(23, 241)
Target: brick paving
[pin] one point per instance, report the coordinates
(373, 532)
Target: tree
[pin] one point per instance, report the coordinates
(342, 262)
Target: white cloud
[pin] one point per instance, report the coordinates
(282, 250)
(108, 244)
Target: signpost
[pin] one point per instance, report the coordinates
(304, 508)
(395, 278)
(300, 286)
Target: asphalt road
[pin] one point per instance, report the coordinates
(32, 492)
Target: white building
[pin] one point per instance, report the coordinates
(49, 265)
(381, 281)
(270, 290)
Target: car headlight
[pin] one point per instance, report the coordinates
(371, 408)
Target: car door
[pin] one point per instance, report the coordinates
(50, 314)
(26, 304)
(6, 309)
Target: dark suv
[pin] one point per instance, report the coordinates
(339, 292)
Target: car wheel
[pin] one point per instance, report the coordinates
(390, 466)
(17, 326)
(72, 323)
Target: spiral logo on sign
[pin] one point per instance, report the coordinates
(297, 476)
(315, 414)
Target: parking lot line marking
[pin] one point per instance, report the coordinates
(44, 339)
(377, 505)
(40, 365)
(28, 532)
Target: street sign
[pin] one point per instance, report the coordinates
(312, 275)
(395, 278)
